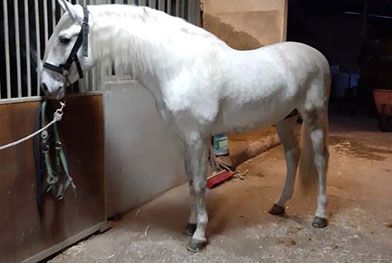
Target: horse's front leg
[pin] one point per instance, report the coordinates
(196, 161)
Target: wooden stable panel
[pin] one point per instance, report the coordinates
(23, 234)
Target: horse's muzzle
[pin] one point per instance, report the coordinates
(57, 93)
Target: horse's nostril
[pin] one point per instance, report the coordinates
(44, 88)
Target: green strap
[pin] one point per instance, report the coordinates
(61, 163)
(58, 180)
(51, 179)
(59, 168)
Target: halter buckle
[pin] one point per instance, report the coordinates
(65, 73)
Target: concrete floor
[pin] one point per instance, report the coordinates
(241, 230)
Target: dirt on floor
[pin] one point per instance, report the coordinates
(240, 228)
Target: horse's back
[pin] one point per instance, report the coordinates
(297, 55)
(287, 65)
(264, 85)
(306, 52)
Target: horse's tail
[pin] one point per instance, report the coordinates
(307, 168)
(315, 118)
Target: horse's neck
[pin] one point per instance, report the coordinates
(132, 45)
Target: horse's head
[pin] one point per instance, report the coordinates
(68, 52)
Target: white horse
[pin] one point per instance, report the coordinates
(203, 87)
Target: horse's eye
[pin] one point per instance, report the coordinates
(64, 40)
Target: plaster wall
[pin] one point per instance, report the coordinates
(246, 24)
(142, 156)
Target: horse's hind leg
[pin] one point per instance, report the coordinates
(315, 142)
(192, 222)
(196, 167)
(318, 135)
(287, 137)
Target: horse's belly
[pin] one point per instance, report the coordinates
(236, 118)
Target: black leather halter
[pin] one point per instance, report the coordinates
(82, 40)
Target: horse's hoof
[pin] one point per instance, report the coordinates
(195, 245)
(190, 229)
(319, 222)
(276, 210)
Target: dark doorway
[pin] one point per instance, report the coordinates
(356, 38)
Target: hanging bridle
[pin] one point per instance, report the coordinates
(82, 40)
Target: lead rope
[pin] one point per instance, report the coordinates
(57, 116)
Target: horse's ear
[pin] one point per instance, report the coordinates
(68, 7)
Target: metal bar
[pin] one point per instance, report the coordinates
(369, 15)
(191, 10)
(169, 7)
(100, 79)
(88, 73)
(20, 100)
(38, 39)
(194, 12)
(86, 81)
(7, 48)
(40, 98)
(92, 80)
(152, 4)
(46, 29)
(110, 67)
(83, 83)
(54, 22)
(177, 8)
(161, 5)
(27, 50)
(17, 47)
(182, 3)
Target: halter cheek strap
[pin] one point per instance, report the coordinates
(82, 40)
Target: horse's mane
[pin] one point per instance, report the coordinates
(142, 36)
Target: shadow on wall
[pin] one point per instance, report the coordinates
(233, 37)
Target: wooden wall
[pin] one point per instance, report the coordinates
(23, 233)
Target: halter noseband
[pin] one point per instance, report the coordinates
(82, 40)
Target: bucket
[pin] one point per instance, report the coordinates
(220, 143)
